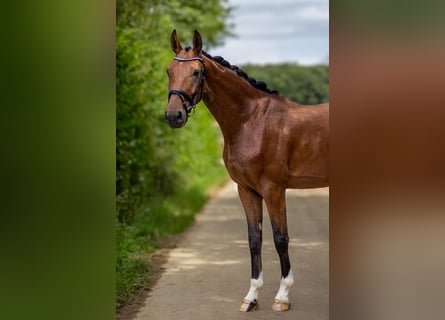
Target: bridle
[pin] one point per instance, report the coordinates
(192, 99)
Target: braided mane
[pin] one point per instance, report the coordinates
(260, 85)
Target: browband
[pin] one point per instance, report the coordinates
(189, 59)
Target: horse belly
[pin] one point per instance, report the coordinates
(309, 173)
(307, 182)
(308, 160)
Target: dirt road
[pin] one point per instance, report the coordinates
(208, 275)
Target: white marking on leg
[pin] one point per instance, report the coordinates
(285, 284)
(255, 287)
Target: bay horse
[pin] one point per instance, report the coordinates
(270, 144)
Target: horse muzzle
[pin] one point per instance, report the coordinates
(176, 118)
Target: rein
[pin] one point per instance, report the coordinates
(192, 99)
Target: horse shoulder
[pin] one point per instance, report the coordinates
(243, 156)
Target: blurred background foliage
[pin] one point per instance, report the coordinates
(153, 160)
(302, 84)
(163, 175)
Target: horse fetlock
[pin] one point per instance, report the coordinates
(287, 281)
(250, 302)
(257, 283)
(285, 284)
(255, 287)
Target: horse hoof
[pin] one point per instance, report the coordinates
(247, 306)
(280, 305)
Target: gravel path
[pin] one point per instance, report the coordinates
(208, 274)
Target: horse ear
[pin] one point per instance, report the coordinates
(176, 46)
(197, 42)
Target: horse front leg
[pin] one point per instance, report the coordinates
(252, 204)
(275, 198)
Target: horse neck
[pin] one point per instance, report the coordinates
(228, 97)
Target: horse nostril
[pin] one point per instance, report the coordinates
(166, 117)
(179, 115)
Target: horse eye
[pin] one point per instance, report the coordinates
(196, 73)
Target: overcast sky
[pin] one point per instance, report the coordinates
(278, 31)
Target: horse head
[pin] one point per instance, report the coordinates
(186, 79)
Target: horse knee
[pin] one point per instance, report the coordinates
(255, 243)
(281, 242)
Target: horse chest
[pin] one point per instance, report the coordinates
(244, 162)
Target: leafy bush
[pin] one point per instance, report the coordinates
(161, 174)
(152, 159)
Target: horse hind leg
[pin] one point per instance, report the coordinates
(252, 204)
(276, 205)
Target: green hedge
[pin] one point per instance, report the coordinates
(152, 159)
(161, 174)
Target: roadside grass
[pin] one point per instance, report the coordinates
(155, 219)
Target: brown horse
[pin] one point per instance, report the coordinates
(270, 144)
